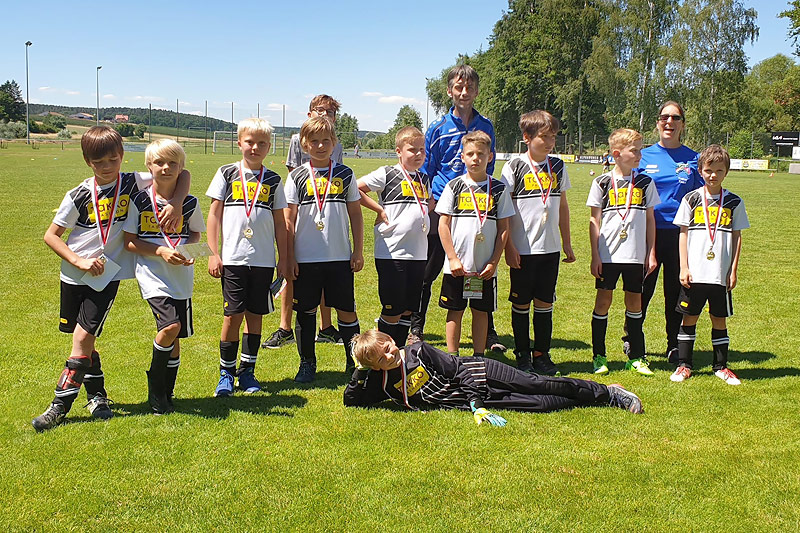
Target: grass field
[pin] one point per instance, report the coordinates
(704, 457)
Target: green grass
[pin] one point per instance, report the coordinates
(704, 457)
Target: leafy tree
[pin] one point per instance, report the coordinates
(56, 122)
(12, 106)
(64, 134)
(743, 146)
(13, 130)
(793, 15)
(347, 130)
(124, 129)
(140, 130)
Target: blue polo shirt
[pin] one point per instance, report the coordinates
(443, 148)
(674, 171)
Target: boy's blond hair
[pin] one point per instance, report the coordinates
(532, 122)
(406, 135)
(100, 141)
(464, 72)
(323, 100)
(317, 125)
(364, 347)
(478, 137)
(622, 138)
(714, 154)
(255, 125)
(164, 149)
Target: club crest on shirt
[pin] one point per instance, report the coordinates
(414, 380)
(683, 171)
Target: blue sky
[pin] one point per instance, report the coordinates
(373, 57)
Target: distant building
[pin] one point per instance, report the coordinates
(120, 118)
(82, 116)
(50, 113)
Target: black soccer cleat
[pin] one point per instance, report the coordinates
(524, 361)
(624, 399)
(52, 417)
(544, 366)
(307, 372)
(98, 405)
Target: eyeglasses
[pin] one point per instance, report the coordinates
(323, 111)
(664, 118)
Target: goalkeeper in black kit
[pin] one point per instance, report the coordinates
(421, 377)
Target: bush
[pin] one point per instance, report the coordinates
(126, 130)
(741, 143)
(64, 134)
(140, 130)
(13, 130)
(55, 122)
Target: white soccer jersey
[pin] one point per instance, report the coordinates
(77, 213)
(295, 156)
(612, 246)
(259, 250)
(530, 233)
(332, 243)
(456, 201)
(403, 237)
(692, 215)
(156, 277)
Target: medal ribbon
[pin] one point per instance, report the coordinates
(535, 168)
(97, 216)
(312, 176)
(413, 190)
(482, 219)
(629, 195)
(171, 244)
(245, 193)
(706, 215)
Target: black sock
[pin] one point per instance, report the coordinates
(228, 350)
(348, 331)
(686, 337)
(71, 379)
(401, 330)
(520, 319)
(305, 330)
(542, 329)
(720, 341)
(599, 326)
(94, 381)
(490, 325)
(633, 323)
(172, 374)
(160, 360)
(250, 344)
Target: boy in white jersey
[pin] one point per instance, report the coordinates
(324, 202)
(93, 263)
(711, 221)
(474, 212)
(539, 228)
(165, 276)
(622, 234)
(401, 231)
(247, 204)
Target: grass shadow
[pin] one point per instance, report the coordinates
(570, 344)
(326, 379)
(220, 408)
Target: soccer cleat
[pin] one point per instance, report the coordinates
(524, 361)
(329, 335)
(624, 399)
(681, 374)
(53, 416)
(98, 405)
(600, 364)
(726, 375)
(225, 385)
(543, 365)
(672, 356)
(247, 381)
(307, 372)
(413, 337)
(278, 339)
(494, 343)
(639, 366)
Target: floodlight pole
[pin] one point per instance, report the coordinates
(27, 95)
(97, 121)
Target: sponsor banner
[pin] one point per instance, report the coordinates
(596, 159)
(785, 138)
(566, 158)
(749, 164)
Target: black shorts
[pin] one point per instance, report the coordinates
(452, 296)
(81, 304)
(632, 277)
(334, 277)
(246, 288)
(168, 311)
(399, 285)
(536, 278)
(692, 300)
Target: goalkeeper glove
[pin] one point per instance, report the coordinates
(480, 414)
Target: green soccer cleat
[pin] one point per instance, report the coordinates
(639, 366)
(600, 364)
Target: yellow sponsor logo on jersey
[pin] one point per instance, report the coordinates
(622, 197)
(337, 186)
(684, 304)
(531, 184)
(700, 218)
(63, 320)
(465, 201)
(104, 205)
(414, 381)
(148, 222)
(422, 192)
(263, 194)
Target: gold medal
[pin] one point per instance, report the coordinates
(710, 255)
(623, 235)
(248, 232)
(480, 237)
(544, 216)
(424, 228)
(320, 225)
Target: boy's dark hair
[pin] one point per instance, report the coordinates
(323, 100)
(533, 122)
(478, 137)
(100, 141)
(714, 154)
(465, 72)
